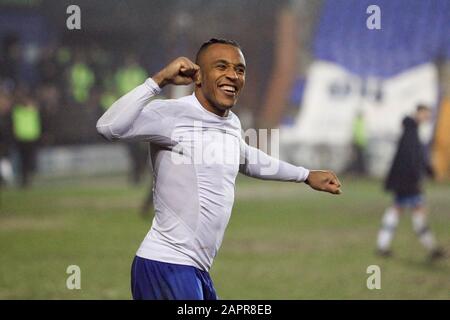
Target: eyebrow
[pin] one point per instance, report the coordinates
(240, 64)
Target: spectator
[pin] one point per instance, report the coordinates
(26, 124)
(6, 172)
(81, 79)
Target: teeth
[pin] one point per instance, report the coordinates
(228, 88)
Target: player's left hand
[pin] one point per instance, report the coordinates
(324, 180)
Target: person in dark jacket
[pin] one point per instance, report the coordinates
(404, 180)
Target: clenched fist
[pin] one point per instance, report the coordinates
(325, 181)
(180, 71)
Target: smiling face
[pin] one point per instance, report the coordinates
(423, 115)
(221, 77)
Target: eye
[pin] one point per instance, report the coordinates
(240, 71)
(221, 66)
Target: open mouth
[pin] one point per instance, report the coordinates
(228, 89)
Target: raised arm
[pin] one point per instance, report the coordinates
(132, 117)
(258, 164)
(120, 121)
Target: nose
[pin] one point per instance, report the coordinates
(231, 74)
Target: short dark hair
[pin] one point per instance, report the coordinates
(423, 107)
(212, 41)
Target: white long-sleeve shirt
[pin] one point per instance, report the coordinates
(196, 156)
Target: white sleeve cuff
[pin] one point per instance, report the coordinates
(303, 175)
(152, 86)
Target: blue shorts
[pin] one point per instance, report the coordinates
(413, 201)
(155, 280)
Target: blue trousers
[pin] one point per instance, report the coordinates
(155, 280)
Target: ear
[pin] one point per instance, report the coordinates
(198, 79)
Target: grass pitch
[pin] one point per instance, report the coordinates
(284, 241)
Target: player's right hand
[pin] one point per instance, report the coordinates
(180, 71)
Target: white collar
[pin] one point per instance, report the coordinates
(197, 103)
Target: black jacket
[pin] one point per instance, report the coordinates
(6, 135)
(409, 164)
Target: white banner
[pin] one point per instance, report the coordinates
(333, 97)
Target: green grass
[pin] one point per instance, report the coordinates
(284, 241)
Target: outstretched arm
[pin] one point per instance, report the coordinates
(258, 164)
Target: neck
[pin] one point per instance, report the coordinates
(208, 106)
(417, 120)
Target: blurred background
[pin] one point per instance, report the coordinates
(335, 85)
